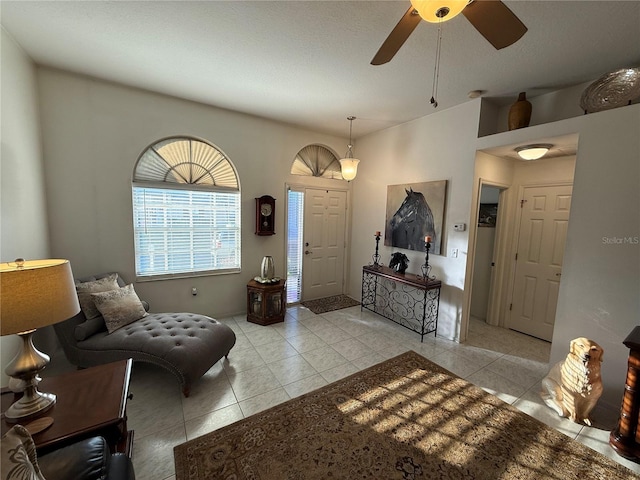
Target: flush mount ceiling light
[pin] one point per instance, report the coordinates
(534, 151)
(348, 164)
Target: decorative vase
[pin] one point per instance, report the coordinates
(520, 112)
(267, 269)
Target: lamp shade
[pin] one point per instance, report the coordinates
(435, 11)
(35, 294)
(349, 168)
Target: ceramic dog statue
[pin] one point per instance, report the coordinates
(573, 386)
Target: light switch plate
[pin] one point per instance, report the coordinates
(460, 227)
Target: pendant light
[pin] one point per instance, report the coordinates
(348, 164)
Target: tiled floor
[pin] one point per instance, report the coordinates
(269, 365)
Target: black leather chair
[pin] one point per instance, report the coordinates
(88, 459)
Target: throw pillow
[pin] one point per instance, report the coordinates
(85, 289)
(119, 307)
(18, 456)
(92, 326)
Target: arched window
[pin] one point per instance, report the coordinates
(186, 210)
(316, 161)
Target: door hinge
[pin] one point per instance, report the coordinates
(510, 306)
(516, 256)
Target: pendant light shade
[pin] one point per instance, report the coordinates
(436, 11)
(348, 164)
(349, 168)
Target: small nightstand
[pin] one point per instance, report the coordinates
(265, 302)
(90, 402)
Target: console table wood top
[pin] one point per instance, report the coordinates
(406, 278)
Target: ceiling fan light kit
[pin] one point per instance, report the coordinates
(491, 18)
(436, 11)
(348, 164)
(534, 151)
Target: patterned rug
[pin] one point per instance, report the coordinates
(329, 304)
(406, 419)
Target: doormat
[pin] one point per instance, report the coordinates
(329, 304)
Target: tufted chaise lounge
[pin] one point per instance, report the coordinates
(186, 344)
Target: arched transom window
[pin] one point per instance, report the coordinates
(186, 210)
(316, 161)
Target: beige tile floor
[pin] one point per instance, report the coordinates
(269, 365)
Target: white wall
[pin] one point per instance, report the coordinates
(599, 291)
(600, 288)
(23, 225)
(93, 133)
(492, 171)
(483, 257)
(485, 240)
(440, 146)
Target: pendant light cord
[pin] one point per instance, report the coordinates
(436, 69)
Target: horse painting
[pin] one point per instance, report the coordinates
(412, 222)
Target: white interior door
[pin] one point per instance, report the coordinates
(324, 248)
(541, 240)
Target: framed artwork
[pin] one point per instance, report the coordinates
(414, 211)
(488, 215)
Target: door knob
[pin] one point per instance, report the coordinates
(558, 274)
(307, 252)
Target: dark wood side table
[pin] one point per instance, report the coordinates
(265, 302)
(89, 402)
(625, 438)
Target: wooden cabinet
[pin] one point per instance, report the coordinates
(265, 302)
(625, 438)
(90, 402)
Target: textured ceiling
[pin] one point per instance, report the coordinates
(307, 62)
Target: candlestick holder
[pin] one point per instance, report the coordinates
(426, 268)
(376, 256)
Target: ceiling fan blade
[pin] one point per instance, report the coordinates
(495, 22)
(397, 37)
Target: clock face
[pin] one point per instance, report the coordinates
(265, 210)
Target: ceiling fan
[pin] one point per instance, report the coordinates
(491, 18)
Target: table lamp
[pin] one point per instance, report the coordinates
(33, 294)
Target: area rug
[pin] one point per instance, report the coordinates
(406, 419)
(329, 304)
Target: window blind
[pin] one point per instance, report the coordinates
(295, 216)
(178, 231)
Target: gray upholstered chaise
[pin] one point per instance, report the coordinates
(186, 344)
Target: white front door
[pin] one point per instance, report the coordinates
(541, 240)
(324, 247)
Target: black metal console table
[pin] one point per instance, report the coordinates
(405, 299)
